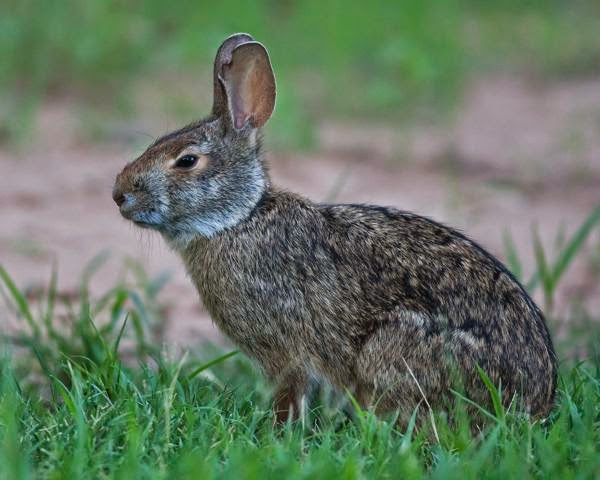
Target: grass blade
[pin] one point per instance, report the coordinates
(543, 269)
(20, 300)
(51, 300)
(567, 255)
(495, 393)
(216, 361)
(512, 256)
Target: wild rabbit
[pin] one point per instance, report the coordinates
(384, 303)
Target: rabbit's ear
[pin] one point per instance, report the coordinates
(249, 85)
(223, 57)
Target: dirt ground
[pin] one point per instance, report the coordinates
(519, 154)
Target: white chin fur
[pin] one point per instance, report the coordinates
(210, 224)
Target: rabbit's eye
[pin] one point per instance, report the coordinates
(187, 161)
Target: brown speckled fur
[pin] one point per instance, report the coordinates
(364, 297)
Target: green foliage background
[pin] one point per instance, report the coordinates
(389, 58)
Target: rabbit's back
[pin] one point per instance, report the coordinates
(398, 258)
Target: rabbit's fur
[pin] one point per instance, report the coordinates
(387, 304)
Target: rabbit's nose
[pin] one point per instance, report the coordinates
(119, 198)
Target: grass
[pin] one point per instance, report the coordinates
(113, 422)
(86, 393)
(549, 274)
(389, 58)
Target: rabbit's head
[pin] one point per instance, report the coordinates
(209, 175)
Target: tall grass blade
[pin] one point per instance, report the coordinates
(495, 393)
(512, 256)
(21, 302)
(51, 298)
(338, 185)
(543, 269)
(212, 363)
(568, 253)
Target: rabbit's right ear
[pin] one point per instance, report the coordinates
(244, 82)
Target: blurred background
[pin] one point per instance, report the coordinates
(482, 115)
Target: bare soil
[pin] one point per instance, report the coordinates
(518, 154)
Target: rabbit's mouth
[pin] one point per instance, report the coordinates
(146, 219)
(144, 224)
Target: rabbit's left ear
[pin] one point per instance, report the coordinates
(249, 85)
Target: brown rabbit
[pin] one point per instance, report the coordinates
(385, 303)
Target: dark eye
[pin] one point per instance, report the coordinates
(187, 161)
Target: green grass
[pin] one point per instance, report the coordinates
(87, 392)
(105, 421)
(388, 59)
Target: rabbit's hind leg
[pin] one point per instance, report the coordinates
(401, 366)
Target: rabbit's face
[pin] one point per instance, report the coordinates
(198, 180)
(207, 176)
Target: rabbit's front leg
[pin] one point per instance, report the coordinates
(291, 393)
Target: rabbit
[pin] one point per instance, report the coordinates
(388, 305)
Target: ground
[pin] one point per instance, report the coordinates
(515, 154)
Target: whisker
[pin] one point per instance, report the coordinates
(145, 134)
